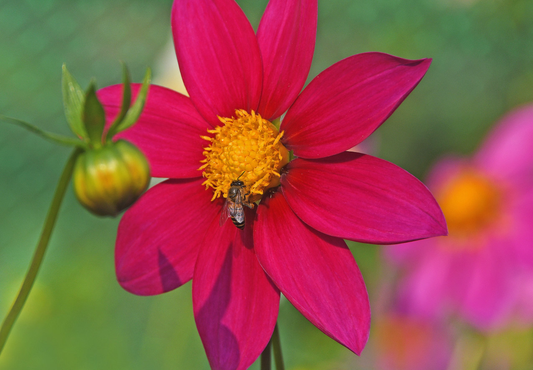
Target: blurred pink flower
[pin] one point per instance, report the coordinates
(478, 271)
(292, 241)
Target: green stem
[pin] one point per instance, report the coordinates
(266, 356)
(276, 343)
(38, 255)
(266, 360)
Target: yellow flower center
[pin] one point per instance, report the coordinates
(247, 147)
(471, 203)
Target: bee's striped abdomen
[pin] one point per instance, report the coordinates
(238, 224)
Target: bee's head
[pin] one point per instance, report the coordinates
(238, 182)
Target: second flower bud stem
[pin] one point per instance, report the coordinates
(49, 224)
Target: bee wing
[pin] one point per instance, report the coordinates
(226, 213)
(239, 196)
(238, 213)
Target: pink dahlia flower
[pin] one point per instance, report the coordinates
(240, 83)
(479, 272)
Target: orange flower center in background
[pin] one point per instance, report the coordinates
(471, 203)
(247, 147)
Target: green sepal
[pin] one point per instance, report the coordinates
(135, 110)
(59, 139)
(93, 116)
(73, 101)
(277, 122)
(126, 101)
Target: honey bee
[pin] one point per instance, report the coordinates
(233, 207)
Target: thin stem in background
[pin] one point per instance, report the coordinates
(38, 255)
(276, 343)
(266, 360)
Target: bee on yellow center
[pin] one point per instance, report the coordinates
(246, 147)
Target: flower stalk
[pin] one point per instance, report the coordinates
(266, 358)
(276, 344)
(38, 256)
(273, 346)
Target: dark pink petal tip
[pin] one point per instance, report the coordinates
(218, 55)
(316, 272)
(159, 237)
(286, 37)
(235, 303)
(344, 104)
(362, 198)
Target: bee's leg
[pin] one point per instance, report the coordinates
(246, 202)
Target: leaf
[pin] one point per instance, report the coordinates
(73, 101)
(135, 111)
(126, 101)
(60, 139)
(93, 116)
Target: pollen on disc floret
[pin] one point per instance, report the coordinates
(246, 147)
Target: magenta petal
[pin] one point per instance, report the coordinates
(359, 197)
(507, 152)
(235, 303)
(344, 104)
(168, 131)
(316, 272)
(424, 290)
(522, 237)
(286, 37)
(218, 55)
(488, 293)
(160, 235)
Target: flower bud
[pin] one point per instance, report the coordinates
(109, 179)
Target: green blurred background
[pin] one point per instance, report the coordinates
(77, 316)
